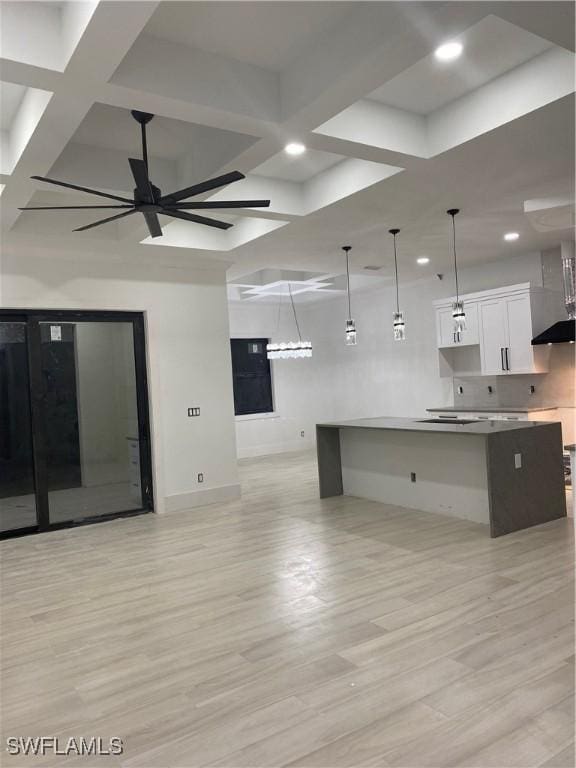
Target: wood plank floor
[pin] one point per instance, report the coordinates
(284, 630)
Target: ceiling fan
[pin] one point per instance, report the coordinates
(149, 200)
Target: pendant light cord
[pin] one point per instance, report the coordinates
(294, 310)
(454, 250)
(396, 271)
(348, 285)
(278, 322)
(394, 232)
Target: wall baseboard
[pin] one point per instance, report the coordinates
(179, 502)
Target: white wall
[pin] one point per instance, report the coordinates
(295, 397)
(188, 355)
(378, 377)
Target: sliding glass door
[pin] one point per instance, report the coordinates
(87, 456)
(17, 498)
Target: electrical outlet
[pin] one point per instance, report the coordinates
(302, 433)
(200, 477)
(412, 477)
(193, 411)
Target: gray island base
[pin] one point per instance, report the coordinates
(508, 475)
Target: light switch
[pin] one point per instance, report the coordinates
(193, 411)
(517, 461)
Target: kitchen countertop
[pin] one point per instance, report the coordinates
(381, 458)
(485, 409)
(481, 428)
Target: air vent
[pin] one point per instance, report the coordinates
(372, 268)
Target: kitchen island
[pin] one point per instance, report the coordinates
(506, 475)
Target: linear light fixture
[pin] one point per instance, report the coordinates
(289, 349)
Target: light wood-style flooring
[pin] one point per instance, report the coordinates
(282, 630)
(69, 504)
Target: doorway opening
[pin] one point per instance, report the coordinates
(74, 424)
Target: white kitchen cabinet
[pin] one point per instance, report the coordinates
(445, 327)
(503, 323)
(520, 354)
(493, 336)
(506, 333)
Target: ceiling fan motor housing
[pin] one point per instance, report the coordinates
(140, 198)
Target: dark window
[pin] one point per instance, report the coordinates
(251, 376)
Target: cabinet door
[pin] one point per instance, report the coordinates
(493, 335)
(445, 326)
(519, 321)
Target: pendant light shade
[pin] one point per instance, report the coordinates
(350, 323)
(286, 350)
(458, 313)
(398, 324)
(350, 333)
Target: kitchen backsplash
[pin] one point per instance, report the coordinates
(555, 388)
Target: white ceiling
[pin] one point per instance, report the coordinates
(297, 168)
(11, 96)
(110, 127)
(266, 34)
(491, 48)
(232, 83)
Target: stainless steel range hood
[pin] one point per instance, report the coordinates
(564, 331)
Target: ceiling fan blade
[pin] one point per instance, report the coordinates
(82, 189)
(140, 173)
(153, 224)
(70, 207)
(203, 186)
(197, 219)
(222, 204)
(105, 221)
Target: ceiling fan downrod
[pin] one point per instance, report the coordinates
(143, 118)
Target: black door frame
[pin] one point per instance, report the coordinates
(32, 319)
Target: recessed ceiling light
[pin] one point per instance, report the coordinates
(511, 236)
(448, 51)
(423, 260)
(294, 148)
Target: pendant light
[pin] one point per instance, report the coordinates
(289, 349)
(350, 324)
(398, 324)
(458, 313)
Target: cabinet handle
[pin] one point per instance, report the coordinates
(502, 358)
(507, 355)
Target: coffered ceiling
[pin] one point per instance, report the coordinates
(394, 136)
